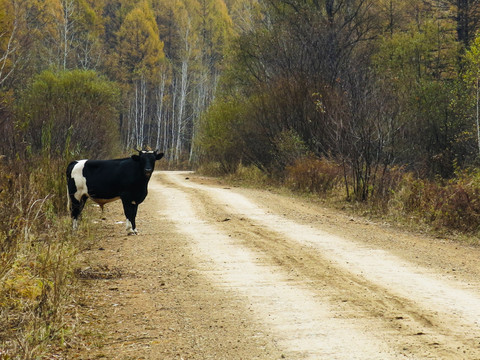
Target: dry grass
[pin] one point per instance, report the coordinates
(452, 205)
(37, 258)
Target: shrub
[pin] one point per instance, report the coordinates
(288, 147)
(218, 136)
(74, 105)
(211, 169)
(250, 175)
(453, 204)
(457, 204)
(444, 205)
(313, 175)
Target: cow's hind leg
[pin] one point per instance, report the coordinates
(76, 189)
(130, 209)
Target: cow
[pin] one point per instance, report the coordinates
(105, 181)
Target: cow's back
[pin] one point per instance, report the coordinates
(107, 179)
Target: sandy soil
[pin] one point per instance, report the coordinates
(230, 273)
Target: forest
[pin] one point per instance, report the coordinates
(367, 84)
(375, 102)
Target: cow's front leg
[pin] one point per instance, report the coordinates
(130, 209)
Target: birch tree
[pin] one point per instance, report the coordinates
(160, 95)
(67, 31)
(140, 54)
(9, 12)
(187, 38)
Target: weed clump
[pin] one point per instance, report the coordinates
(453, 204)
(37, 257)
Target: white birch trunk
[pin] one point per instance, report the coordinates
(159, 114)
(199, 107)
(7, 56)
(165, 145)
(135, 117)
(67, 29)
(173, 119)
(143, 111)
(181, 107)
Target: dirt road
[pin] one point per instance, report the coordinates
(229, 273)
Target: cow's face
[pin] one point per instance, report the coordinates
(147, 161)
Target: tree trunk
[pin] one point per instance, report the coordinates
(160, 94)
(181, 106)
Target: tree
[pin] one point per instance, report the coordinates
(140, 49)
(218, 137)
(141, 63)
(297, 49)
(215, 29)
(472, 78)
(244, 14)
(27, 27)
(467, 18)
(166, 14)
(89, 29)
(8, 39)
(421, 65)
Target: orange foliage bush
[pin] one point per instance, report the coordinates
(453, 205)
(313, 175)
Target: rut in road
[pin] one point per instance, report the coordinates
(321, 296)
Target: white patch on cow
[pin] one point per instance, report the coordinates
(75, 224)
(134, 203)
(80, 180)
(130, 230)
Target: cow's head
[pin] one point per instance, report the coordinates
(147, 160)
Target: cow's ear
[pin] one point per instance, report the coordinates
(136, 157)
(158, 156)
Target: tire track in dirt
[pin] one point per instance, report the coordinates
(143, 297)
(354, 293)
(302, 326)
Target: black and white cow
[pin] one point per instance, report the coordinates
(108, 180)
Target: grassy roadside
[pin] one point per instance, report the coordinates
(38, 255)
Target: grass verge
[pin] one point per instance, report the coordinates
(38, 253)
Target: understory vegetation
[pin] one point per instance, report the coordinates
(38, 253)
